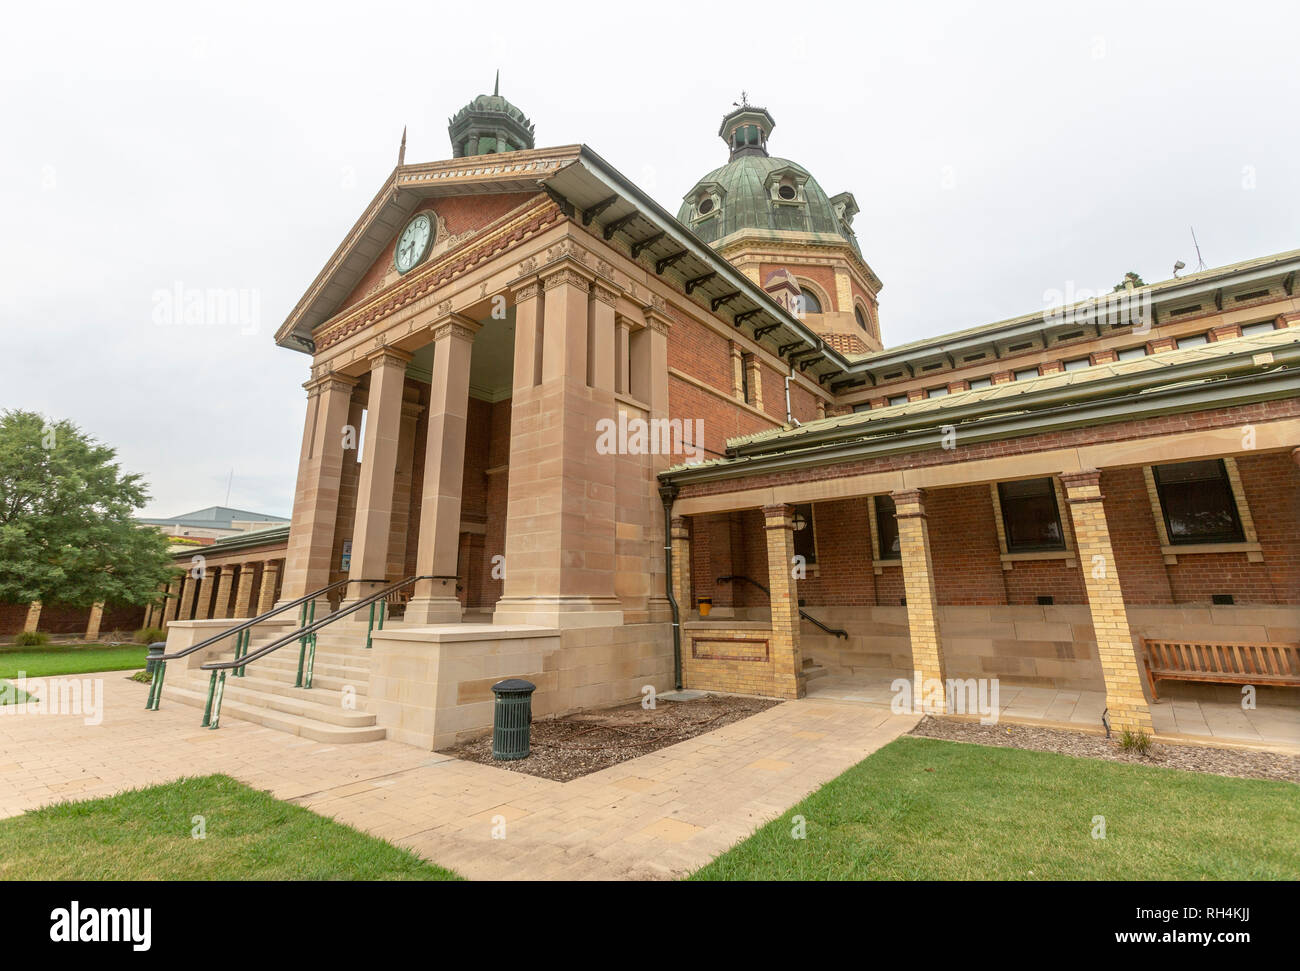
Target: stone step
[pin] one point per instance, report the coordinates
(272, 682)
(812, 672)
(304, 725)
(322, 666)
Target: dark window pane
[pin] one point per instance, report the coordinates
(1197, 502)
(887, 527)
(1029, 516)
(809, 303)
(803, 533)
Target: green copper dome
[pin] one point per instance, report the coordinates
(756, 191)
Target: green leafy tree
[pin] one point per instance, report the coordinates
(67, 532)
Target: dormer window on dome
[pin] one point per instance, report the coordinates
(705, 201)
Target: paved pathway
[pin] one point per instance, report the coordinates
(1272, 726)
(658, 816)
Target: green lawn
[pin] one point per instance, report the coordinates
(147, 834)
(924, 809)
(45, 662)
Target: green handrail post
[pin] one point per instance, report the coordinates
(207, 709)
(370, 626)
(311, 661)
(216, 705)
(155, 686)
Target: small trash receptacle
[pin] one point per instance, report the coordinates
(512, 718)
(156, 650)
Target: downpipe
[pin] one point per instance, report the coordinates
(668, 493)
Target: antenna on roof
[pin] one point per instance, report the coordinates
(1200, 263)
(229, 482)
(401, 152)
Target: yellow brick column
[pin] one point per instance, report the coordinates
(225, 584)
(173, 602)
(190, 588)
(244, 593)
(786, 658)
(270, 573)
(96, 619)
(928, 670)
(33, 617)
(1124, 698)
(682, 566)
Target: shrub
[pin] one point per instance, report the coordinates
(147, 635)
(1139, 742)
(32, 638)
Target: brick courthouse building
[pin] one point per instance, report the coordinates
(1024, 500)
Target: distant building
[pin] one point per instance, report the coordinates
(212, 523)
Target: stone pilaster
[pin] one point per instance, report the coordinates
(1125, 700)
(96, 619)
(787, 660)
(434, 601)
(922, 601)
(560, 534)
(33, 617)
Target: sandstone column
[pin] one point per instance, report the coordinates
(316, 497)
(787, 660)
(266, 598)
(922, 601)
(434, 601)
(374, 515)
(96, 619)
(244, 594)
(33, 617)
(681, 539)
(1124, 697)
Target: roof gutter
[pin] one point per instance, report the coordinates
(1136, 405)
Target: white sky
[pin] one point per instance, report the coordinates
(997, 152)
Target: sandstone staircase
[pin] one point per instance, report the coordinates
(332, 710)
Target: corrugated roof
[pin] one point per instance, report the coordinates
(1001, 394)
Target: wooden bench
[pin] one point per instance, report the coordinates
(1221, 662)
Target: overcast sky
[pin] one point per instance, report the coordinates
(997, 152)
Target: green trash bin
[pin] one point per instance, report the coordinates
(512, 718)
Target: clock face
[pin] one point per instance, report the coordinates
(413, 244)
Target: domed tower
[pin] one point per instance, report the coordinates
(771, 219)
(489, 124)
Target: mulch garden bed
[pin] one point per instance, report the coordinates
(1242, 763)
(571, 746)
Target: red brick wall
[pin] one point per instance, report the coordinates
(1272, 484)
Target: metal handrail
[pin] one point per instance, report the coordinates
(802, 613)
(242, 632)
(304, 635)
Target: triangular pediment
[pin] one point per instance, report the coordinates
(462, 195)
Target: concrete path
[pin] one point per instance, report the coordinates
(662, 815)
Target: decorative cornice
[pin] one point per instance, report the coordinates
(455, 326)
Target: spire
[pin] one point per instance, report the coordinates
(496, 85)
(401, 152)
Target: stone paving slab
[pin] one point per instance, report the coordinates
(656, 817)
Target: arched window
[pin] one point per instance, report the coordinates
(808, 302)
(861, 318)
